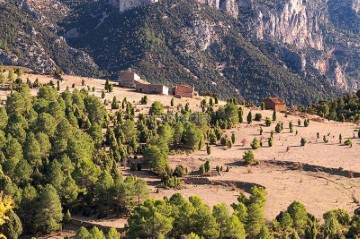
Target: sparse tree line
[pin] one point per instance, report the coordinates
(342, 109)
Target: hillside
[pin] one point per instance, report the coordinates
(187, 42)
(172, 42)
(108, 158)
(29, 37)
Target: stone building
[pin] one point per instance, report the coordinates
(129, 78)
(152, 89)
(274, 103)
(184, 91)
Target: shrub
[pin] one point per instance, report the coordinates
(202, 169)
(171, 182)
(306, 122)
(278, 128)
(270, 141)
(228, 143)
(208, 149)
(249, 157)
(263, 106)
(249, 118)
(255, 143)
(218, 169)
(274, 117)
(207, 166)
(348, 142)
(303, 141)
(268, 122)
(258, 117)
(180, 171)
(223, 140)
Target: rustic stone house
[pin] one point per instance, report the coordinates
(152, 89)
(129, 78)
(184, 91)
(274, 103)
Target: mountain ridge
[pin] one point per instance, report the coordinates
(218, 53)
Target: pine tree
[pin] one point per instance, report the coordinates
(48, 214)
(82, 233)
(233, 138)
(249, 117)
(208, 149)
(113, 234)
(274, 116)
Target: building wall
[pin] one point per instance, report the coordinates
(271, 105)
(184, 91)
(152, 89)
(128, 79)
(280, 107)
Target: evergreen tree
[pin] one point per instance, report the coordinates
(113, 234)
(12, 229)
(255, 143)
(156, 109)
(82, 233)
(274, 116)
(332, 227)
(249, 117)
(255, 220)
(48, 214)
(264, 233)
(95, 233)
(208, 149)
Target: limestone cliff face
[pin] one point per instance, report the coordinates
(293, 22)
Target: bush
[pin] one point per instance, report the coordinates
(274, 117)
(268, 122)
(291, 126)
(255, 143)
(249, 118)
(278, 128)
(249, 157)
(303, 141)
(180, 171)
(228, 144)
(271, 141)
(306, 122)
(208, 149)
(258, 117)
(223, 140)
(263, 107)
(348, 142)
(171, 182)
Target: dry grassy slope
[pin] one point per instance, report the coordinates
(319, 191)
(119, 92)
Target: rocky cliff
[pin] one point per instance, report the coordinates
(317, 30)
(29, 36)
(300, 50)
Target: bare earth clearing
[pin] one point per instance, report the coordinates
(322, 176)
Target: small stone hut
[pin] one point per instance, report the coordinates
(274, 103)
